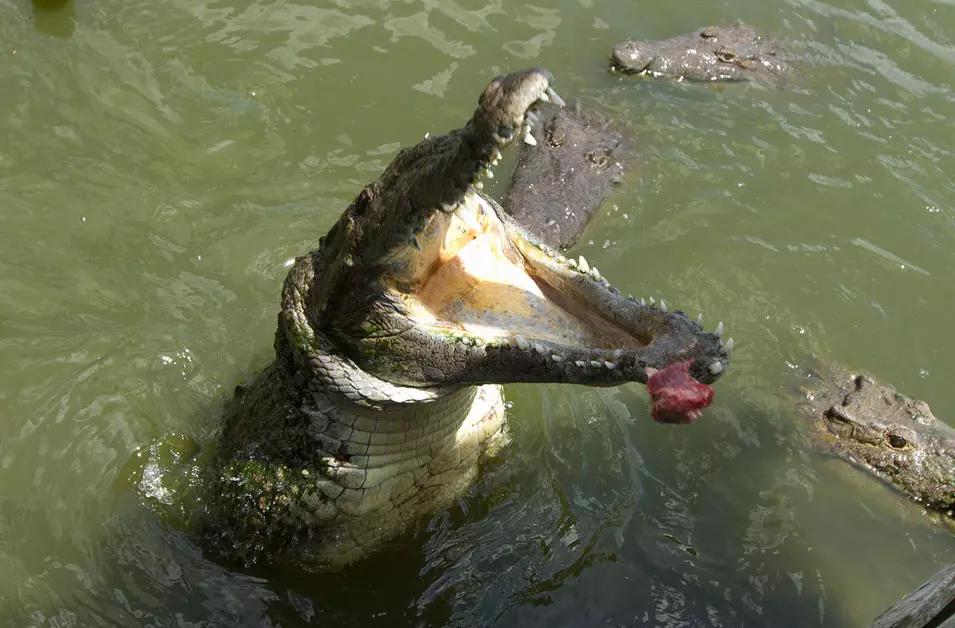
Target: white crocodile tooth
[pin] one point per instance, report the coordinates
(557, 358)
(719, 329)
(580, 363)
(465, 340)
(522, 343)
(643, 302)
(610, 365)
(595, 363)
(544, 97)
(479, 185)
(728, 347)
(532, 118)
(497, 154)
(583, 265)
(489, 173)
(495, 162)
(554, 97)
(653, 302)
(595, 273)
(504, 342)
(604, 282)
(464, 216)
(699, 319)
(479, 342)
(716, 368)
(663, 306)
(529, 139)
(571, 263)
(539, 349)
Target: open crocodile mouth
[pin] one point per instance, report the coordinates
(470, 296)
(490, 284)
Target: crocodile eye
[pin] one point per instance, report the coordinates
(725, 56)
(896, 441)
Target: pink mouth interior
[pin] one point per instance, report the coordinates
(677, 397)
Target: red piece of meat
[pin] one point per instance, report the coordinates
(677, 397)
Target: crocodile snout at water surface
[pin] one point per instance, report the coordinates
(893, 436)
(714, 53)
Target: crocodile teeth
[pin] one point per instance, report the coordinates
(643, 302)
(544, 97)
(610, 365)
(531, 118)
(557, 358)
(554, 97)
(522, 343)
(528, 138)
(699, 319)
(719, 329)
(467, 219)
(663, 306)
(479, 185)
(580, 363)
(595, 364)
(653, 302)
(728, 347)
(595, 273)
(583, 265)
(497, 154)
(716, 368)
(489, 173)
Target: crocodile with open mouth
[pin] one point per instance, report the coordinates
(713, 53)
(393, 338)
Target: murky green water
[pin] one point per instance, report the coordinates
(161, 161)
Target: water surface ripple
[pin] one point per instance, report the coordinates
(161, 162)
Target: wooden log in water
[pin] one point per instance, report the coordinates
(931, 605)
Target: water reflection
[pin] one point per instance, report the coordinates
(54, 17)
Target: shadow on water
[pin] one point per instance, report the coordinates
(636, 548)
(504, 555)
(56, 18)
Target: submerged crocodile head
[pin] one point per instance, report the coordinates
(713, 53)
(894, 436)
(425, 281)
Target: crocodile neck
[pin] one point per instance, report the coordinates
(370, 457)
